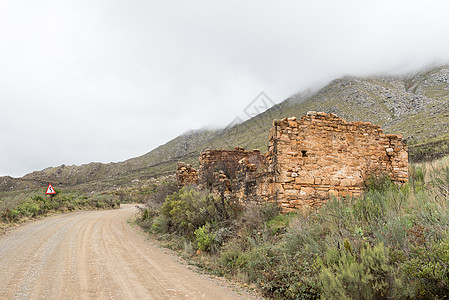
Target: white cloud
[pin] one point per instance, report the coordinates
(112, 80)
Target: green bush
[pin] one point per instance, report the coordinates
(37, 205)
(231, 259)
(440, 182)
(278, 224)
(161, 224)
(305, 235)
(158, 194)
(205, 238)
(13, 215)
(380, 182)
(29, 209)
(389, 243)
(394, 232)
(260, 259)
(346, 275)
(297, 278)
(281, 276)
(417, 177)
(189, 209)
(427, 270)
(253, 218)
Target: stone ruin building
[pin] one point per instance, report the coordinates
(186, 175)
(307, 162)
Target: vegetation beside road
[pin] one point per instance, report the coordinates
(392, 242)
(20, 208)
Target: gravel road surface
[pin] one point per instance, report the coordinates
(96, 255)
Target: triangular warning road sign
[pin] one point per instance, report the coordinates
(50, 190)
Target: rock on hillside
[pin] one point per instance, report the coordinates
(415, 105)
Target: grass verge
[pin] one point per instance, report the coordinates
(20, 208)
(392, 242)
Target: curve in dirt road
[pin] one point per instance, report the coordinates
(96, 255)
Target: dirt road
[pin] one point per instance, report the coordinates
(96, 255)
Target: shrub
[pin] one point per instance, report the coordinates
(417, 175)
(231, 256)
(253, 217)
(299, 275)
(13, 215)
(427, 269)
(375, 204)
(258, 260)
(379, 182)
(37, 205)
(204, 237)
(279, 275)
(158, 195)
(305, 235)
(161, 224)
(279, 223)
(347, 275)
(29, 209)
(394, 232)
(389, 243)
(190, 209)
(440, 182)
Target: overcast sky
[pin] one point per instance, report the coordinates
(84, 81)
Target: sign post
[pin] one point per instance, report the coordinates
(50, 191)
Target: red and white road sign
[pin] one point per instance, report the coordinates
(50, 190)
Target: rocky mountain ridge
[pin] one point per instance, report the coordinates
(414, 105)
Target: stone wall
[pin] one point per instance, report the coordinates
(254, 183)
(322, 155)
(225, 162)
(186, 175)
(308, 161)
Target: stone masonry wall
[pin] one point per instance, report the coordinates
(322, 155)
(308, 161)
(186, 175)
(253, 183)
(225, 162)
(234, 173)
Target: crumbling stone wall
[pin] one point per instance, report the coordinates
(234, 173)
(254, 183)
(225, 162)
(186, 175)
(322, 155)
(308, 161)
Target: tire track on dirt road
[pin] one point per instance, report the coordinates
(96, 255)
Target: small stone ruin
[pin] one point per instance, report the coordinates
(308, 161)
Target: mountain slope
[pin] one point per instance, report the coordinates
(98, 176)
(415, 105)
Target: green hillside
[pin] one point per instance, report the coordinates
(414, 105)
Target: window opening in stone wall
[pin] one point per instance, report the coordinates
(304, 153)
